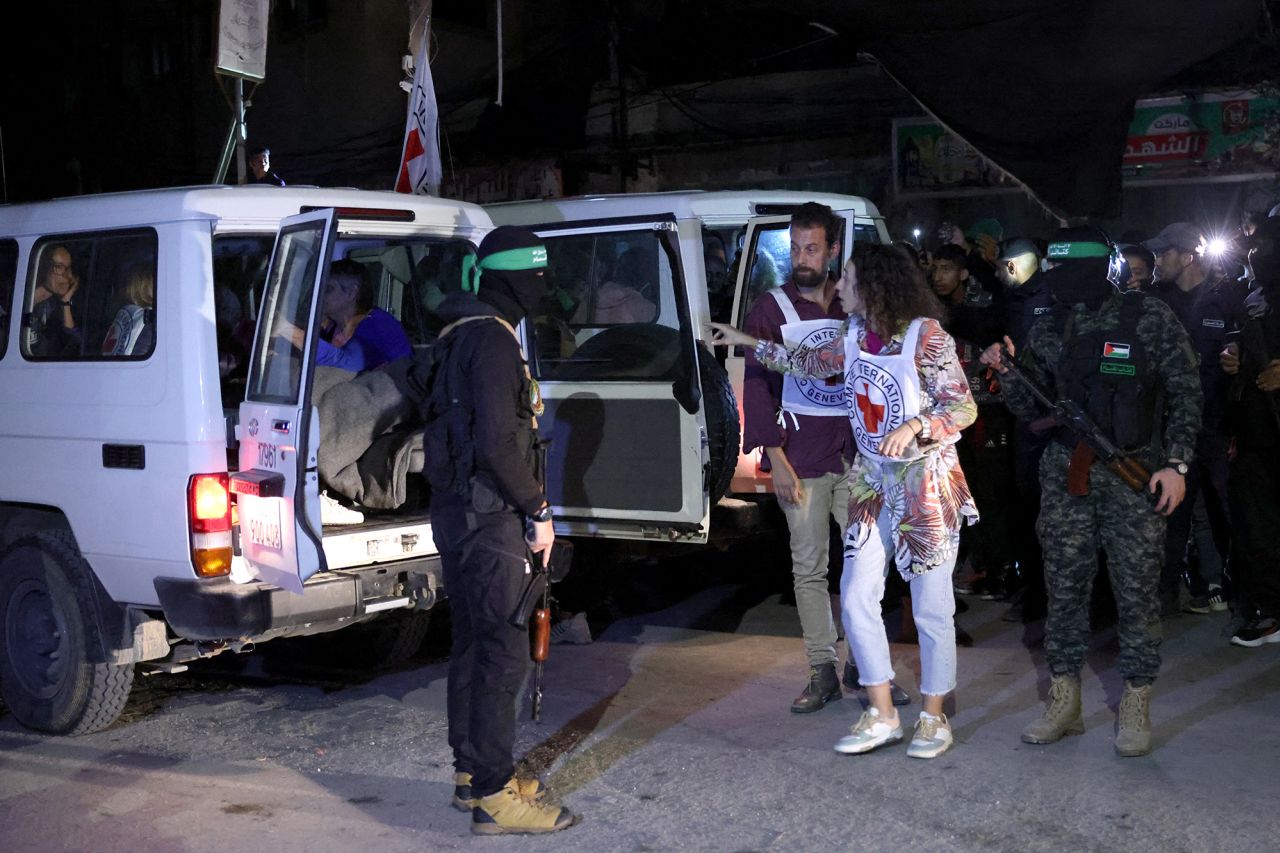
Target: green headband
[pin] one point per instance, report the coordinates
(1075, 251)
(530, 258)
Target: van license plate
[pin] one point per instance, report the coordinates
(262, 525)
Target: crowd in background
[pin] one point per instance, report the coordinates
(992, 284)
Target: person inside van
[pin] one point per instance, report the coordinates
(621, 299)
(354, 335)
(55, 313)
(133, 331)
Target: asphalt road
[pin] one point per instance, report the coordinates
(670, 732)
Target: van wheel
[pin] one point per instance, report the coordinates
(723, 427)
(50, 674)
(397, 637)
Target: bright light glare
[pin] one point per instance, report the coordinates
(915, 232)
(1216, 246)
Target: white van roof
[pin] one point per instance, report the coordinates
(715, 207)
(248, 208)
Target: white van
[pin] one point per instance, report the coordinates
(752, 229)
(141, 388)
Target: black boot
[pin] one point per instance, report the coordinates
(850, 679)
(823, 687)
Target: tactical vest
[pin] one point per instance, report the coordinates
(1107, 371)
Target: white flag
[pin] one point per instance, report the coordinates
(420, 170)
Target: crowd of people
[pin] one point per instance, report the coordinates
(1016, 415)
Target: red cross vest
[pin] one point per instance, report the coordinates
(883, 391)
(802, 396)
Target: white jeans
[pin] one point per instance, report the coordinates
(933, 603)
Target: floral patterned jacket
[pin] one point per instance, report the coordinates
(927, 498)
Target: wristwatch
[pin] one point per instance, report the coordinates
(544, 513)
(1177, 465)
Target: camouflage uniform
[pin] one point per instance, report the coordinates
(1112, 516)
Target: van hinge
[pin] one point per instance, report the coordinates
(665, 226)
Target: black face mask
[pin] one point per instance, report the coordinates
(1081, 281)
(514, 293)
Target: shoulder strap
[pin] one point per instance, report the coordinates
(784, 303)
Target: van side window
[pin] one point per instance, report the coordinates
(769, 265)
(8, 274)
(91, 297)
(611, 312)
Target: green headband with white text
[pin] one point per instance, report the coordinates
(529, 258)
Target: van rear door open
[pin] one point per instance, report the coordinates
(278, 485)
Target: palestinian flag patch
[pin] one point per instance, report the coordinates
(1111, 350)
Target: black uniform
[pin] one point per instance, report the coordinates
(1209, 312)
(480, 446)
(1021, 307)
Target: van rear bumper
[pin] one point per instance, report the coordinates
(219, 609)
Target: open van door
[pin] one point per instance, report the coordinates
(766, 264)
(278, 486)
(613, 350)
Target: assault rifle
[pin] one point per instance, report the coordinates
(1068, 413)
(535, 604)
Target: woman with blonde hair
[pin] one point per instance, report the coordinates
(908, 400)
(133, 331)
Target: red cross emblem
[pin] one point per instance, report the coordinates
(872, 413)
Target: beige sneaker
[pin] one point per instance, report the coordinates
(1133, 721)
(508, 813)
(932, 736)
(1061, 714)
(530, 789)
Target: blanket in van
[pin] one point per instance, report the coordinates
(370, 434)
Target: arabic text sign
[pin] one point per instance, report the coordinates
(1237, 133)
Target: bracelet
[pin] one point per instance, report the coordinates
(66, 304)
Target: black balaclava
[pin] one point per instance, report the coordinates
(513, 293)
(1076, 280)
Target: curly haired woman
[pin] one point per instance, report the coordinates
(908, 400)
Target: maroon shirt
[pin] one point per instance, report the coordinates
(820, 445)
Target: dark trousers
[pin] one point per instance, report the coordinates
(986, 456)
(1027, 450)
(483, 555)
(1255, 509)
(1207, 479)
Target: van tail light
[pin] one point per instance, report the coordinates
(209, 518)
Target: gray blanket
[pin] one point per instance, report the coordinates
(370, 435)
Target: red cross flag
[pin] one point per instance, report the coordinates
(420, 171)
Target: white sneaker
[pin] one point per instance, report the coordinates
(332, 512)
(932, 737)
(870, 732)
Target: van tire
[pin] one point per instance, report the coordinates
(52, 677)
(720, 407)
(397, 637)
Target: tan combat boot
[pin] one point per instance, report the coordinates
(1133, 722)
(508, 812)
(1061, 714)
(530, 789)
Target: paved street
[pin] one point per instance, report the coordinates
(670, 732)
